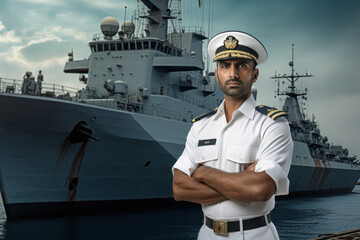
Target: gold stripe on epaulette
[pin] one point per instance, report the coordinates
(273, 112)
(280, 114)
(200, 116)
(194, 119)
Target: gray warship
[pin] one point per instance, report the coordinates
(112, 144)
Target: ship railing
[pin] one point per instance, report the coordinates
(296, 92)
(194, 101)
(97, 37)
(167, 113)
(131, 102)
(193, 29)
(59, 91)
(188, 99)
(9, 85)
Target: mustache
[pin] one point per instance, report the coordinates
(233, 80)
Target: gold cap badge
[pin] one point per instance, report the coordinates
(230, 42)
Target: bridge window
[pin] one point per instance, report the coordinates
(106, 47)
(139, 45)
(112, 46)
(119, 46)
(132, 46)
(100, 47)
(153, 45)
(146, 45)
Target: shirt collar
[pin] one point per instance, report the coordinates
(220, 109)
(247, 108)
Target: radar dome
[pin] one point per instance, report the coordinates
(128, 27)
(109, 26)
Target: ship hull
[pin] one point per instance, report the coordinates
(129, 165)
(309, 176)
(128, 162)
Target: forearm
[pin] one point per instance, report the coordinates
(245, 187)
(187, 188)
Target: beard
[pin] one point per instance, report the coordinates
(242, 89)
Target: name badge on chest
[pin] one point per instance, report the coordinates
(206, 142)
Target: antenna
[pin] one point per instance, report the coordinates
(292, 92)
(125, 14)
(209, 34)
(292, 79)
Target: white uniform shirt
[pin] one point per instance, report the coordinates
(233, 146)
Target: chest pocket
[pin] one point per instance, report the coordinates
(241, 154)
(206, 154)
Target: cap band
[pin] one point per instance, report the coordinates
(234, 54)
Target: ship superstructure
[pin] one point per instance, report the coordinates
(113, 143)
(317, 165)
(160, 74)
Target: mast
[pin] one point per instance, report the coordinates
(158, 16)
(291, 104)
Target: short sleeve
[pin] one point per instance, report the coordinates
(275, 154)
(186, 162)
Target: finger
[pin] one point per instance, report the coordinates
(252, 166)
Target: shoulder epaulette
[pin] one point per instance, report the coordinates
(272, 113)
(204, 115)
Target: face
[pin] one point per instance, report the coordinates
(235, 77)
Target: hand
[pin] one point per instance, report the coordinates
(199, 172)
(251, 167)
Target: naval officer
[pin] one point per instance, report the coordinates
(237, 157)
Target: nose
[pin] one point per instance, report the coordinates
(233, 73)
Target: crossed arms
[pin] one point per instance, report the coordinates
(209, 185)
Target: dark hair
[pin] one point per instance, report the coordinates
(254, 64)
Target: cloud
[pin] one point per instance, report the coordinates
(70, 32)
(9, 37)
(44, 2)
(103, 4)
(2, 27)
(109, 4)
(44, 52)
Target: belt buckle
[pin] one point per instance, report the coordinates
(220, 227)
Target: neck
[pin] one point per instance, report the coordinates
(232, 104)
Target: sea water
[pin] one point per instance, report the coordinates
(297, 218)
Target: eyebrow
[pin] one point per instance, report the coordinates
(227, 62)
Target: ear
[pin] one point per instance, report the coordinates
(255, 74)
(216, 75)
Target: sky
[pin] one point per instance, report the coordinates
(38, 34)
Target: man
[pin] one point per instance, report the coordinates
(40, 79)
(236, 158)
